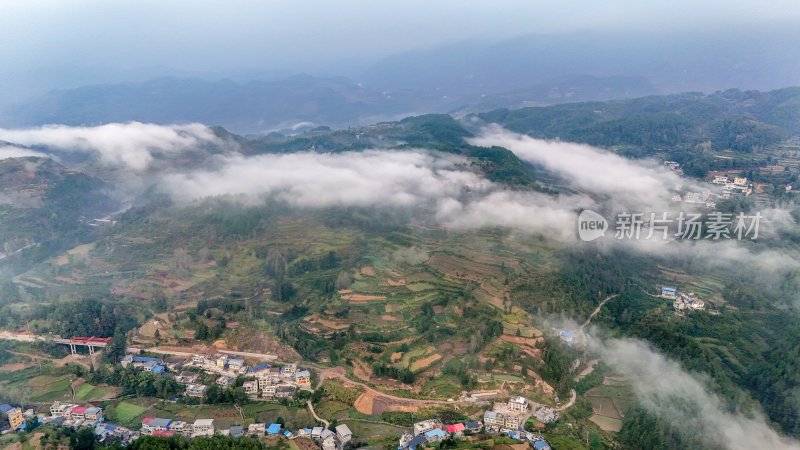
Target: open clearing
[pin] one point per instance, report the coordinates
(607, 423)
(424, 363)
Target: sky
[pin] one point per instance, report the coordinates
(213, 36)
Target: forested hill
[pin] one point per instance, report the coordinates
(733, 119)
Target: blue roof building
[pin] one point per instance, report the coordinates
(275, 428)
(435, 433)
(5, 407)
(541, 445)
(158, 369)
(418, 441)
(144, 359)
(288, 434)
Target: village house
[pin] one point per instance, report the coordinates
(250, 388)
(151, 425)
(269, 391)
(180, 427)
(196, 390)
(224, 381)
(519, 404)
(303, 377)
(187, 377)
(668, 292)
(545, 414)
(329, 443)
(456, 429)
(688, 301)
(256, 429)
(203, 427)
(236, 364)
(285, 391)
(258, 370)
(425, 426)
(289, 370)
(15, 417)
(58, 409)
(94, 414)
(435, 435)
(343, 433)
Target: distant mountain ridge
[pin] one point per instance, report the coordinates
(262, 106)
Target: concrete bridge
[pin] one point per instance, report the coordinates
(93, 343)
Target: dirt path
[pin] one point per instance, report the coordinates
(588, 370)
(313, 413)
(597, 310)
(572, 397)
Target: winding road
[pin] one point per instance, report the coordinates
(597, 310)
(313, 413)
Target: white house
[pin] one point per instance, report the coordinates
(203, 427)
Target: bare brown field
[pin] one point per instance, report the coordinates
(362, 298)
(424, 363)
(607, 423)
(361, 370)
(461, 267)
(374, 404)
(605, 406)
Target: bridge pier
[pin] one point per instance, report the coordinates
(72, 349)
(91, 350)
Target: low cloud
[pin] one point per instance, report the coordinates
(316, 180)
(11, 151)
(674, 395)
(628, 184)
(128, 145)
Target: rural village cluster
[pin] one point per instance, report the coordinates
(267, 382)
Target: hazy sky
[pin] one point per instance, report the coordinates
(210, 35)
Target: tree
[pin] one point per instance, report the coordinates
(116, 348)
(83, 439)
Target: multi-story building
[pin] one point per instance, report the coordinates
(269, 391)
(15, 418)
(196, 390)
(94, 414)
(289, 370)
(344, 434)
(181, 427)
(59, 409)
(250, 387)
(203, 427)
(285, 391)
(153, 424)
(425, 426)
(519, 404)
(224, 381)
(303, 377)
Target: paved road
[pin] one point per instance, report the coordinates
(163, 351)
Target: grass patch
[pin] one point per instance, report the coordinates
(125, 412)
